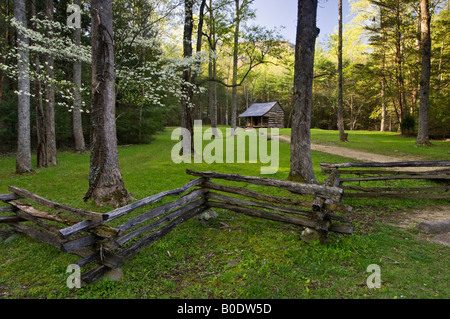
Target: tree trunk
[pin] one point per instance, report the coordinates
(3, 53)
(50, 135)
(212, 71)
(106, 186)
(383, 73)
(399, 64)
(201, 18)
(235, 68)
(383, 94)
(186, 87)
(78, 136)
(40, 122)
(301, 168)
(422, 136)
(23, 159)
(340, 111)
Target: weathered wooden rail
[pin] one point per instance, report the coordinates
(104, 241)
(362, 172)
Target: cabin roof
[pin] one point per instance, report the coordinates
(258, 109)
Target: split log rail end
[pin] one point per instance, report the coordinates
(90, 235)
(362, 173)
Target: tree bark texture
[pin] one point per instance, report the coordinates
(106, 186)
(212, 71)
(23, 159)
(186, 86)
(340, 108)
(50, 133)
(41, 151)
(78, 136)
(301, 164)
(235, 66)
(422, 136)
(383, 95)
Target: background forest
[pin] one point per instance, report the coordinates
(381, 68)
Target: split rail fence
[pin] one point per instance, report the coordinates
(104, 241)
(361, 174)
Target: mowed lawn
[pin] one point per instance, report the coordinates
(234, 256)
(386, 143)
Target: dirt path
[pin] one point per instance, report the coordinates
(409, 220)
(403, 220)
(351, 153)
(361, 155)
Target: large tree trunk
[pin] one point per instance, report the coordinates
(199, 112)
(301, 163)
(50, 134)
(23, 159)
(399, 64)
(212, 70)
(106, 186)
(383, 75)
(340, 111)
(3, 53)
(186, 87)
(235, 67)
(422, 136)
(41, 151)
(383, 105)
(78, 136)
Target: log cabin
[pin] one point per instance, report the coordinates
(264, 115)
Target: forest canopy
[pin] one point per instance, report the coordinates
(381, 67)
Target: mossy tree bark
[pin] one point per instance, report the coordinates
(301, 164)
(423, 135)
(106, 186)
(23, 159)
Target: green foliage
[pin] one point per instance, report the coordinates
(246, 257)
(134, 130)
(408, 124)
(8, 123)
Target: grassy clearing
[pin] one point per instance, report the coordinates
(386, 143)
(248, 258)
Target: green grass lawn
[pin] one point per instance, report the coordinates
(251, 258)
(387, 143)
